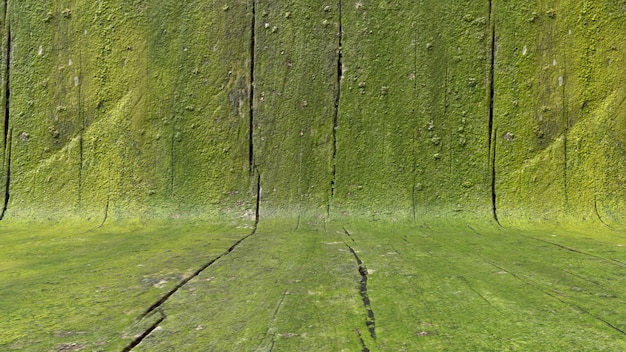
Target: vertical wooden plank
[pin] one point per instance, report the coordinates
(557, 118)
(412, 130)
(295, 87)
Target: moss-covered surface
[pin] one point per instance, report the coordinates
(353, 108)
(461, 286)
(472, 150)
(295, 77)
(69, 283)
(412, 130)
(125, 106)
(559, 96)
(436, 286)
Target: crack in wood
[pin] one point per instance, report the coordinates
(81, 117)
(106, 211)
(573, 250)
(158, 304)
(336, 111)
(363, 345)
(469, 285)
(299, 219)
(269, 331)
(172, 156)
(163, 299)
(492, 131)
(595, 208)
(348, 234)
(494, 196)
(8, 132)
(137, 340)
(596, 283)
(538, 288)
(585, 311)
(370, 320)
(300, 192)
(251, 160)
(7, 184)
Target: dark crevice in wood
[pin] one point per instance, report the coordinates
(7, 184)
(8, 132)
(348, 234)
(251, 161)
(81, 117)
(473, 289)
(336, 111)
(573, 250)
(363, 345)
(494, 196)
(106, 212)
(370, 320)
(164, 298)
(595, 208)
(492, 131)
(136, 341)
(173, 156)
(272, 320)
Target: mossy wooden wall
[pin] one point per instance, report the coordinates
(383, 109)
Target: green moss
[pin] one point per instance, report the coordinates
(295, 83)
(412, 127)
(98, 95)
(412, 124)
(147, 107)
(436, 285)
(447, 285)
(80, 283)
(556, 92)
